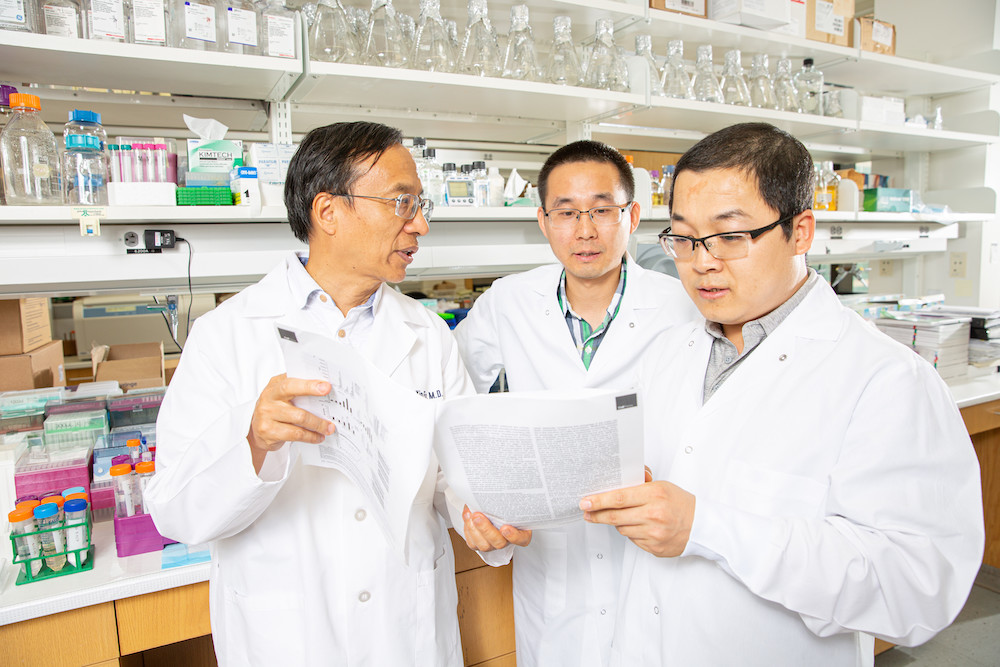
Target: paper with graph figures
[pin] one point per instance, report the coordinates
(384, 431)
(528, 458)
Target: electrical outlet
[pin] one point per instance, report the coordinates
(956, 264)
(131, 239)
(885, 268)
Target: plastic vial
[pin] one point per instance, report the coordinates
(127, 164)
(277, 30)
(480, 183)
(76, 532)
(126, 502)
(332, 37)
(602, 63)
(496, 186)
(238, 27)
(384, 38)
(106, 20)
(22, 521)
(144, 470)
(57, 500)
(644, 49)
(480, 50)
(61, 17)
(134, 450)
(71, 490)
(705, 85)
(432, 47)
(827, 182)
(160, 174)
(734, 84)
(432, 177)
(53, 543)
(195, 25)
(809, 87)
(29, 156)
(18, 15)
(520, 60)
(564, 63)
(761, 88)
(674, 77)
(148, 20)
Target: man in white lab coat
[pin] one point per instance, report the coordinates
(581, 323)
(815, 481)
(301, 572)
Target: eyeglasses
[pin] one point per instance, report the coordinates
(600, 215)
(727, 245)
(407, 205)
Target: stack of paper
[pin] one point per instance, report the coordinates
(985, 321)
(941, 339)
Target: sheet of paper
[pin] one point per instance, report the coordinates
(527, 458)
(384, 430)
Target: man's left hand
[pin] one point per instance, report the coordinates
(656, 516)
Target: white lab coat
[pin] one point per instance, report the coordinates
(566, 581)
(301, 573)
(837, 493)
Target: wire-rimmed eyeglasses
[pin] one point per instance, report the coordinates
(726, 245)
(407, 205)
(599, 215)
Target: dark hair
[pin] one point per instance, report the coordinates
(779, 163)
(587, 151)
(327, 161)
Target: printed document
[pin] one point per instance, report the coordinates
(528, 458)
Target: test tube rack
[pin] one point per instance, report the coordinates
(25, 575)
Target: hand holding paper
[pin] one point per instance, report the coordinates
(482, 535)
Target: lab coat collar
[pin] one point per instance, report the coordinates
(637, 294)
(272, 296)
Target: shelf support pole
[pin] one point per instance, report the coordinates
(279, 118)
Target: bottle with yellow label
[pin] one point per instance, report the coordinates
(825, 194)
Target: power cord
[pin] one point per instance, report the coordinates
(187, 327)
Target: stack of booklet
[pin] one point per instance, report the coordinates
(940, 338)
(984, 348)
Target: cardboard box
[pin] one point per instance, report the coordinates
(878, 36)
(689, 7)
(887, 200)
(762, 14)
(830, 21)
(24, 325)
(42, 367)
(796, 26)
(133, 366)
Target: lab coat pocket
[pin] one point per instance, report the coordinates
(771, 492)
(268, 629)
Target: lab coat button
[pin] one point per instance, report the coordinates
(688, 449)
(729, 360)
(360, 515)
(603, 612)
(782, 357)
(631, 325)
(656, 610)
(600, 556)
(341, 333)
(690, 343)
(322, 297)
(364, 596)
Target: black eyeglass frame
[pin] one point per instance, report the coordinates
(753, 233)
(424, 205)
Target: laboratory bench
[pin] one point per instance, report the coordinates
(125, 608)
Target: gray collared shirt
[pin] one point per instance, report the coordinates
(724, 358)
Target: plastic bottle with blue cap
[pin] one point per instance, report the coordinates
(76, 531)
(85, 171)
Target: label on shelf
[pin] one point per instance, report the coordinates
(199, 22)
(12, 11)
(60, 21)
(147, 22)
(827, 21)
(882, 33)
(242, 26)
(107, 19)
(280, 36)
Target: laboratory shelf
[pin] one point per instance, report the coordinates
(884, 74)
(62, 215)
(49, 59)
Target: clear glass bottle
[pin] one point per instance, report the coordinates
(332, 37)
(480, 183)
(705, 85)
(195, 24)
(674, 77)
(148, 21)
(5, 93)
(734, 84)
(61, 17)
(277, 30)
(761, 88)
(239, 27)
(432, 48)
(656, 188)
(827, 182)
(666, 182)
(408, 28)
(456, 46)
(432, 177)
(644, 49)
(480, 50)
(84, 171)
(29, 156)
(19, 16)
(384, 39)
(809, 86)
(785, 96)
(417, 150)
(520, 60)
(106, 20)
(601, 67)
(496, 186)
(564, 63)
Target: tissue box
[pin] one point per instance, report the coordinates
(887, 200)
(220, 156)
(762, 14)
(796, 26)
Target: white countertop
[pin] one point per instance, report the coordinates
(976, 389)
(112, 578)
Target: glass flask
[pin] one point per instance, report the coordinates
(456, 46)
(385, 44)
(761, 88)
(432, 49)
(706, 86)
(644, 49)
(408, 27)
(809, 86)
(734, 84)
(520, 60)
(564, 64)
(602, 65)
(480, 51)
(785, 96)
(332, 37)
(674, 77)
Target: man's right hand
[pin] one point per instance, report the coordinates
(276, 421)
(482, 535)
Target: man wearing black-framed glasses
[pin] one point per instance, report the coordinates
(815, 484)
